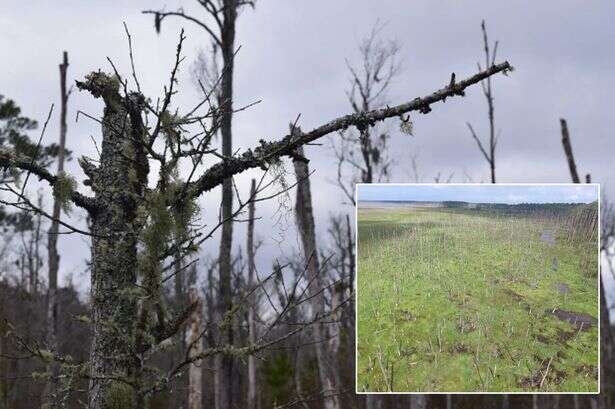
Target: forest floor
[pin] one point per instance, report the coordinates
(453, 301)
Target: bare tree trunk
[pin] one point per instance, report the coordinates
(35, 256)
(224, 367)
(181, 337)
(4, 384)
(534, 401)
(52, 237)
(327, 370)
(606, 341)
(252, 398)
(195, 343)
(337, 298)
(568, 150)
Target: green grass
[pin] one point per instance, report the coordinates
(461, 301)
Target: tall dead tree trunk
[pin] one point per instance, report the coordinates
(4, 370)
(180, 299)
(222, 34)
(52, 238)
(568, 150)
(194, 342)
(606, 337)
(224, 370)
(327, 370)
(252, 398)
(118, 183)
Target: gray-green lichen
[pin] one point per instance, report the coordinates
(63, 188)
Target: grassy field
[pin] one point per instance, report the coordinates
(468, 301)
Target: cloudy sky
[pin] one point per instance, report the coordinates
(479, 193)
(292, 58)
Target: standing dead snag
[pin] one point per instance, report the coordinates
(119, 183)
(488, 92)
(606, 336)
(252, 398)
(568, 151)
(222, 34)
(194, 344)
(327, 368)
(52, 238)
(366, 152)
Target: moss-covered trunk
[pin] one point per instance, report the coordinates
(118, 183)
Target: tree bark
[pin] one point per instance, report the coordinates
(252, 398)
(52, 238)
(224, 367)
(568, 150)
(195, 343)
(181, 337)
(4, 370)
(118, 183)
(327, 370)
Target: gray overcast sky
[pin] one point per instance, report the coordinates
(292, 57)
(482, 193)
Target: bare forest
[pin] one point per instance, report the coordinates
(177, 233)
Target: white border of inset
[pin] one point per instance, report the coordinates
(356, 292)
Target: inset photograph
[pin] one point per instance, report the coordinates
(477, 288)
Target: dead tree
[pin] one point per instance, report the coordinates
(606, 336)
(194, 344)
(252, 390)
(327, 369)
(366, 152)
(222, 33)
(568, 151)
(52, 237)
(488, 154)
(130, 222)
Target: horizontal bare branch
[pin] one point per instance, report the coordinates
(269, 152)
